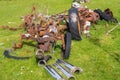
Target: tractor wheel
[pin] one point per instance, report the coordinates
(73, 24)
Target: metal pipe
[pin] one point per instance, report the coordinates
(41, 62)
(68, 75)
(53, 72)
(113, 28)
(39, 54)
(72, 69)
(44, 61)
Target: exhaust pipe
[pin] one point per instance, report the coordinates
(69, 76)
(72, 69)
(44, 61)
(53, 72)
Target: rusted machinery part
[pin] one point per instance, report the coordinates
(39, 54)
(10, 28)
(44, 61)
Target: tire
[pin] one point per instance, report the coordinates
(73, 24)
(67, 40)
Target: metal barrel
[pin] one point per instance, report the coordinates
(72, 69)
(68, 75)
(53, 72)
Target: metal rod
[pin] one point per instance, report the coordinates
(113, 28)
(53, 72)
(68, 75)
(72, 69)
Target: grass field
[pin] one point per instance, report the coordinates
(98, 56)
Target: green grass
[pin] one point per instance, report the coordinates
(98, 56)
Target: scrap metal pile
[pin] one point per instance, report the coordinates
(46, 30)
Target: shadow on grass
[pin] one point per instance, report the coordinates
(95, 41)
(116, 56)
